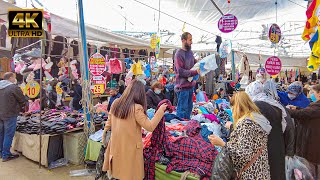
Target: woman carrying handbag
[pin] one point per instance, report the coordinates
(245, 156)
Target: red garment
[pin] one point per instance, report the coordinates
(115, 66)
(175, 127)
(191, 153)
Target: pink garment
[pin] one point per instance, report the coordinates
(211, 117)
(34, 106)
(298, 174)
(115, 66)
(175, 127)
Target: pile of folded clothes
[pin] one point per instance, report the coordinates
(53, 122)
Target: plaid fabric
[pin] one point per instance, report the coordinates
(191, 153)
(157, 140)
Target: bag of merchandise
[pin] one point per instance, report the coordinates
(205, 65)
(200, 97)
(298, 168)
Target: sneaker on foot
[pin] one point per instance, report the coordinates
(11, 157)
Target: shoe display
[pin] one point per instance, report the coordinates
(53, 122)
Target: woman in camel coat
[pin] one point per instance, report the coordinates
(124, 154)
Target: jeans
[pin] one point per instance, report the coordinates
(7, 130)
(185, 103)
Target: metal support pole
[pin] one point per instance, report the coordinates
(233, 67)
(85, 73)
(41, 95)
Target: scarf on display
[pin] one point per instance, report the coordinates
(256, 92)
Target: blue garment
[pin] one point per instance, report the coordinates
(169, 117)
(112, 98)
(203, 110)
(200, 97)
(185, 103)
(169, 87)
(205, 133)
(128, 63)
(150, 113)
(147, 72)
(7, 130)
(301, 101)
(230, 114)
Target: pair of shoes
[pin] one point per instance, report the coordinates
(11, 157)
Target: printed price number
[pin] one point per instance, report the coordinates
(98, 89)
(32, 89)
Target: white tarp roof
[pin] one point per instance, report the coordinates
(69, 28)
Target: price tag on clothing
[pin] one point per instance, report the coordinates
(98, 88)
(32, 89)
(59, 89)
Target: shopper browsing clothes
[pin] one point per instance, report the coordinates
(184, 61)
(308, 129)
(294, 96)
(114, 94)
(124, 154)
(11, 102)
(276, 114)
(76, 94)
(248, 143)
(155, 95)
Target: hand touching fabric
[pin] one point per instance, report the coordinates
(216, 141)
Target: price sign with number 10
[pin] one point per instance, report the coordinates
(32, 89)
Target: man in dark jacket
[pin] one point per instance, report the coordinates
(11, 103)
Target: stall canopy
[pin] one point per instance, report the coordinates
(200, 17)
(69, 28)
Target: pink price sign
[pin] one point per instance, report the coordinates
(227, 23)
(97, 64)
(273, 65)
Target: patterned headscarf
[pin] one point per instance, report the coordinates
(270, 88)
(256, 92)
(295, 88)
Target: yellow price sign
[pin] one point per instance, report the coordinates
(98, 88)
(32, 89)
(153, 41)
(23, 88)
(58, 88)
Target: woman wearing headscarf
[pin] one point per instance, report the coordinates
(294, 96)
(270, 88)
(276, 114)
(308, 129)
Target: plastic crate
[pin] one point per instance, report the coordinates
(73, 147)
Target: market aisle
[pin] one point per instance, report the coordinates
(24, 169)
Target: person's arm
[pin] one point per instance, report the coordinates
(181, 69)
(107, 125)
(304, 114)
(144, 121)
(17, 92)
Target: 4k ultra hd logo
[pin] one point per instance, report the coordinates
(25, 23)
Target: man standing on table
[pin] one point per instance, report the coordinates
(184, 61)
(11, 102)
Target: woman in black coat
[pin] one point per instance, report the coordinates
(264, 98)
(308, 129)
(154, 95)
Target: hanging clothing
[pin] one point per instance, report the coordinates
(244, 67)
(3, 35)
(115, 66)
(137, 68)
(223, 66)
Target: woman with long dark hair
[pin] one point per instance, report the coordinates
(124, 154)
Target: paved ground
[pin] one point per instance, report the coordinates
(24, 169)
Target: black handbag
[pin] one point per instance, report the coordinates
(99, 173)
(223, 168)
